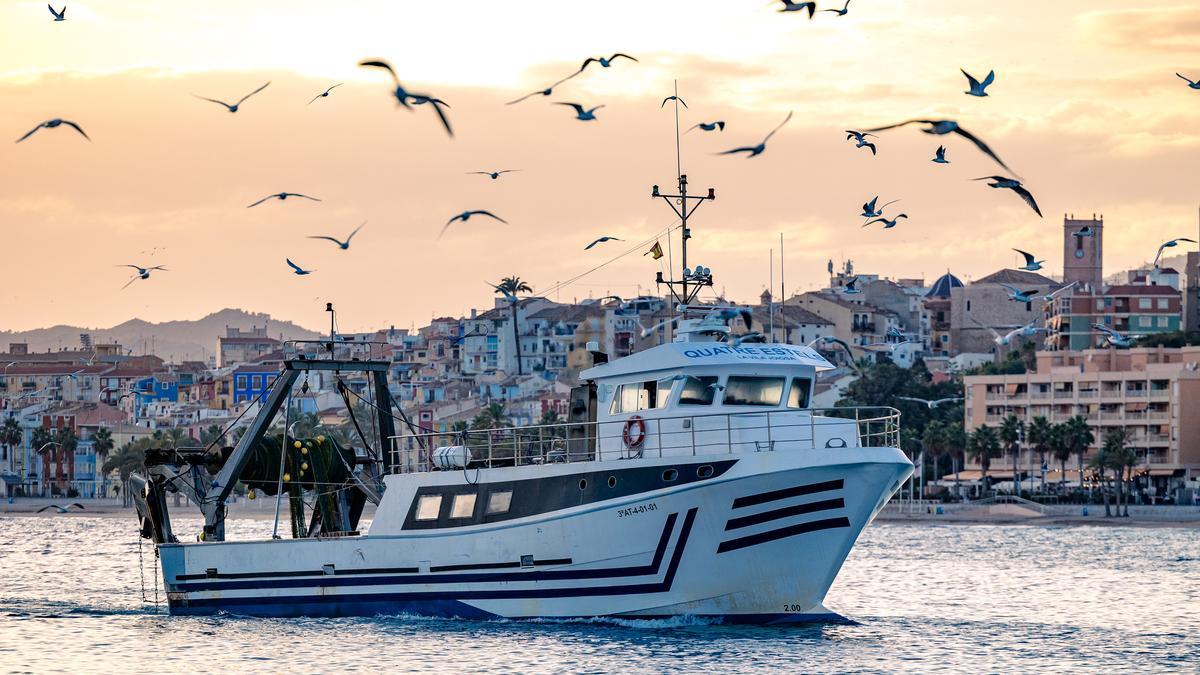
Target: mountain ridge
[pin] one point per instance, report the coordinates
(175, 340)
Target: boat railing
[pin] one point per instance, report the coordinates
(636, 437)
(341, 348)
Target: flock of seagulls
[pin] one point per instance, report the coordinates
(871, 213)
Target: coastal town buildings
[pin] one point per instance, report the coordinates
(1154, 393)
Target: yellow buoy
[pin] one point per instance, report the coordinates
(321, 439)
(304, 451)
(303, 466)
(287, 477)
(297, 444)
(250, 495)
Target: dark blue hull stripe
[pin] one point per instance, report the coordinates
(318, 580)
(786, 512)
(392, 600)
(797, 491)
(782, 533)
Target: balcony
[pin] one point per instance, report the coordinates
(1064, 394)
(1160, 394)
(1160, 414)
(1039, 394)
(1135, 415)
(862, 327)
(1111, 416)
(1088, 393)
(1135, 393)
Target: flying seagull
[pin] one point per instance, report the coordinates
(887, 224)
(752, 336)
(1114, 338)
(605, 63)
(547, 91)
(142, 273)
(56, 507)
(843, 344)
(494, 174)
(466, 215)
(405, 97)
(1191, 84)
(849, 287)
(869, 210)
(233, 108)
(931, 404)
(51, 124)
(601, 240)
(1049, 297)
(59, 16)
(671, 98)
(300, 271)
(940, 157)
(979, 88)
(860, 139)
(1019, 295)
(647, 332)
(1169, 244)
(1085, 231)
(581, 114)
(719, 125)
(789, 6)
(1014, 185)
(281, 196)
(831, 340)
(344, 245)
(840, 12)
(943, 127)
(756, 150)
(326, 92)
(1031, 265)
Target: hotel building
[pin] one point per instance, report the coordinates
(1152, 392)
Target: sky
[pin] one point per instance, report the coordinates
(1086, 108)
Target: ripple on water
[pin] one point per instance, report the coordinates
(924, 598)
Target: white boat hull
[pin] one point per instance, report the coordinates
(760, 542)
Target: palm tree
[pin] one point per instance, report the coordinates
(1078, 437)
(509, 287)
(1120, 458)
(1100, 463)
(1061, 451)
(955, 438)
(210, 435)
(1011, 430)
(130, 458)
(102, 442)
(984, 445)
(10, 435)
(1040, 436)
(491, 417)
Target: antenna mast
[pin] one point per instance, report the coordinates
(680, 204)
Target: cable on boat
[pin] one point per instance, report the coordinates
(637, 247)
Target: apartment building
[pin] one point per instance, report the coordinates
(1152, 392)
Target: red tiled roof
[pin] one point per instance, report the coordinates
(60, 369)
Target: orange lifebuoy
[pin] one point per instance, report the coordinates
(635, 432)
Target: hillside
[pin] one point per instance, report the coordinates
(171, 340)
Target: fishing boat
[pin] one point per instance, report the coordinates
(692, 478)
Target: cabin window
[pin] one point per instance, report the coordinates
(636, 396)
(499, 501)
(763, 391)
(798, 396)
(428, 507)
(698, 390)
(463, 506)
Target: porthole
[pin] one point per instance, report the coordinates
(704, 471)
(582, 483)
(612, 481)
(670, 475)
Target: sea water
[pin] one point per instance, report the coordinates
(923, 597)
